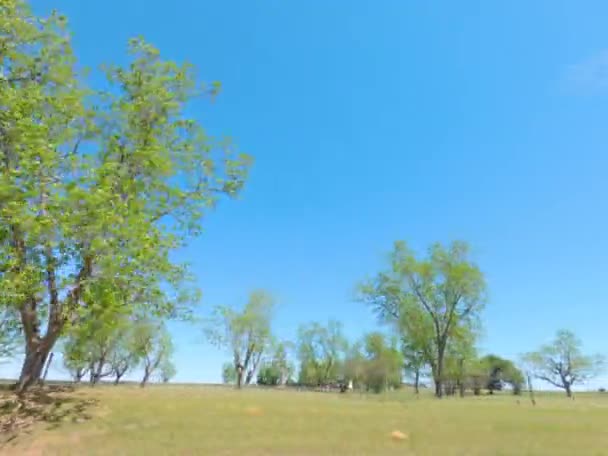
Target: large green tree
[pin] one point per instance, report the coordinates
(429, 298)
(245, 334)
(96, 189)
(562, 362)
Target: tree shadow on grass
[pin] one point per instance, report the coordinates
(50, 406)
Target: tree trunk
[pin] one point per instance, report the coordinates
(568, 389)
(91, 373)
(98, 372)
(79, 375)
(94, 378)
(417, 382)
(531, 390)
(33, 364)
(46, 369)
(239, 376)
(146, 378)
(438, 388)
(437, 378)
(438, 371)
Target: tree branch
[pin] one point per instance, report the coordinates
(550, 380)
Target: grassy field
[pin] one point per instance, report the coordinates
(185, 420)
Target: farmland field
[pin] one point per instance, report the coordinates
(195, 420)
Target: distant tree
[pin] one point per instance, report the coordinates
(152, 345)
(433, 296)
(101, 348)
(281, 360)
(321, 351)
(562, 363)
(460, 357)
(269, 375)
(502, 371)
(355, 366)
(478, 376)
(97, 344)
(123, 356)
(277, 370)
(245, 334)
(414, 360)
(229, 373)
(167, 371)
(75, 358)
(384, 365)
(121, 360)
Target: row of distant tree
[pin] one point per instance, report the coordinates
(431, 310)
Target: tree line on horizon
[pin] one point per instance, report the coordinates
(431, 312)
(100, 186)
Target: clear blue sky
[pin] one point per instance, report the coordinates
(375, 121)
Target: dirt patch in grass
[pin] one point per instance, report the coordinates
(49, 406)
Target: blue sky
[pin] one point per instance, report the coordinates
(376, 121)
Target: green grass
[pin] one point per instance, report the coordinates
(193, 420)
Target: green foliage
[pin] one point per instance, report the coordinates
(269, 375)
(562, 362)
(97, 189)
(374, 363)
(500, 371)
(167, 371)
(320, 350)
(9, 334)
(277, 370)
(151, 343)
(102, 345)
(415, 359)
(228, 373)
(384, 364)
(428, 300)
(355, 366)
(478, 376)
(460, 355)
(246, 335)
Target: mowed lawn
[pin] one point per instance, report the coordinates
(184, 420)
